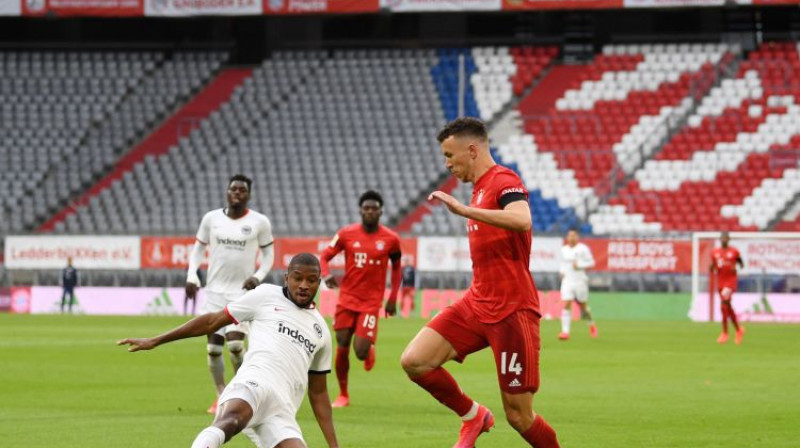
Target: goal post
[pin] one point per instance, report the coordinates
(769, 284)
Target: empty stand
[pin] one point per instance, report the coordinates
(71, 115)
(313, 130)
(733, 165)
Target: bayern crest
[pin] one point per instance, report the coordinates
(380, 245)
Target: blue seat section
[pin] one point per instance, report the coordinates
(445, 77)
(547, 215)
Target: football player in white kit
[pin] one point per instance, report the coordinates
(290, 352)
(576, 258)
(234, 235)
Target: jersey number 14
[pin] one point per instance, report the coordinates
(511, 365)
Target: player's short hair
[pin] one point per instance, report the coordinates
(241, 178)
(370, 195)
(304, 259)
(574, 229)
(464, 126)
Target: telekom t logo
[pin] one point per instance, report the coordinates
(360, 259)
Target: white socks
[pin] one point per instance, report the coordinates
(473, 412)
(216, 365)
(211, 437)
(236, 350)
(566, 320)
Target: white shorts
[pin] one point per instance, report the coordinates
(575, 291)
(273, 412)
(215, 302)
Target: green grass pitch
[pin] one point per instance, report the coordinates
(64, 383)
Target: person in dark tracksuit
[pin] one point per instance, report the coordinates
(69, 280)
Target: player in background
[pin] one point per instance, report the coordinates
(576, 258)
(501, 308)
(724, 260)
(69, 280)
(290, 352)
(368, 248)
(407, 294)
(235, 235)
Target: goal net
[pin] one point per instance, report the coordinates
(768, 288)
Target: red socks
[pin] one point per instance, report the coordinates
(540, 434)
(732, 316)
(728, 313)
(342, 368)
(724, 310)
(439, 383)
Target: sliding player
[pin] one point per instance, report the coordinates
(290, 352)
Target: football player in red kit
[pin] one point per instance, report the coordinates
(501, 308)
(368, 248)
(724, 261)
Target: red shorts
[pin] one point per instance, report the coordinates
(365, 325)
(514, 341)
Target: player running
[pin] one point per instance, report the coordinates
(723, 263)
(501, 308)
(235, 235)
(576, 258)
(290, 351)
(368, 248)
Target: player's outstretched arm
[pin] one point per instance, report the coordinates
(321, 405)
(199, 326)
(515, 216)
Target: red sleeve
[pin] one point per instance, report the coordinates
(509, 184)
(336, 245)
(230, 316)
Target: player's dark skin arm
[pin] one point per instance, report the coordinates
(199, 326)
(397, 278)
(740, 262)
(321, 405)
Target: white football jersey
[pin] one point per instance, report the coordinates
(233, 245)
(286, 341)
(580, 254)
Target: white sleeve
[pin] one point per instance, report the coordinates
(564, 264)
(246, 307)
(195, 259)
(266, 243)
(204, 231)
(265, 234)
(586, 261)
(322, 359)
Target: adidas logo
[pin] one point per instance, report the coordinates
(161, 305)
(514, 383)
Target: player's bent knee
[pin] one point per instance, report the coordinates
(413, 364)
(214, 350)
(236, 347)
(520, 420)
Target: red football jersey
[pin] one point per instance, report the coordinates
(367, 257)
(501, 281)
(724, 258)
